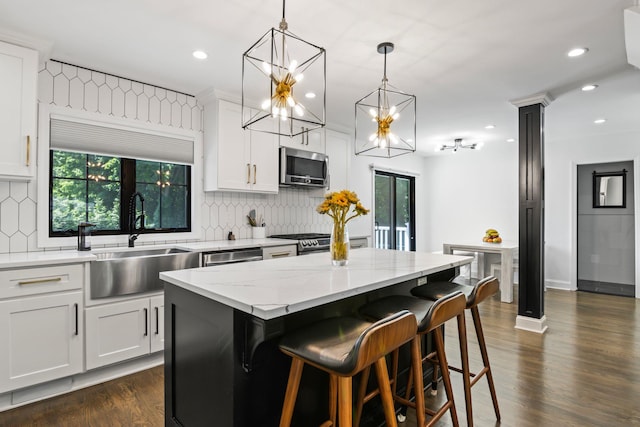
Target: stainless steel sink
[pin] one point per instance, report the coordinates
(135, 271)
(136, 253)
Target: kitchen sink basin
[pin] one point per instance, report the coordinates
(128, 272)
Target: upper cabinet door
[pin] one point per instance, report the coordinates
(238, 159)
(233, 160)
(339, 152)
(264, 162)
(18, 87)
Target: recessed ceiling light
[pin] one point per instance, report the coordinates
(199, 54)
(599, 121)
(579, 51)
(490, 127)
(310, 95)
(511, 140)
(590, 87)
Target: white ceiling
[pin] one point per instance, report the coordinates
(464, 60)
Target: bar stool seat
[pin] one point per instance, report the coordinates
(430, 316)
(482, 290)
(343, 347)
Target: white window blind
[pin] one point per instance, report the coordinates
(95, 139)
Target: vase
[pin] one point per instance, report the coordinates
(339, 245)
(258, 232)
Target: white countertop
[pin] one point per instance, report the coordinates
(33, 259)
(218, 245)
(276, 287)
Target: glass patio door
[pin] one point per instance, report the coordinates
(394, 211)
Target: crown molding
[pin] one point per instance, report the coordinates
(543, 98)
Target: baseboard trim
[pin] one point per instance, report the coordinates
(558, 284)
(532, 324)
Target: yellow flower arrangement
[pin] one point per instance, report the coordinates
(338, 206)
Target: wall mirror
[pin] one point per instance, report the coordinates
(609, 189)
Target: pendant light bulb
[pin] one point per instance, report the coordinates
(292, 66)
(266, 67)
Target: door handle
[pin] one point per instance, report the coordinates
(146, 322)
(28, 150)
(248, 173)
(255, 173)
(157, 321)
(76, 310)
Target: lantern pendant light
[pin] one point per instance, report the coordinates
(385, 118)
(283, 83)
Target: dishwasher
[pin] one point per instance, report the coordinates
(231, 256)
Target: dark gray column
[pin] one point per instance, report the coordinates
(531, 214)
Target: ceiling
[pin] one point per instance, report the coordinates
(464, 60)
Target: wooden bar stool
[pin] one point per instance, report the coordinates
(474, 296)
(343, 347)
(430, 315)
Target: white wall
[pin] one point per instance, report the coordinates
(469, 192)
(561, 159)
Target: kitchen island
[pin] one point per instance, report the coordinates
(222, 325)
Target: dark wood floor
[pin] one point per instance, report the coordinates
(585, 371)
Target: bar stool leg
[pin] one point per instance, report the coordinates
(295, 373)
(446, 379)
(333, 399)
(466, 375)
(485, 358)
(416, 369)
(382, 375)
(362, 390)
(344, 401)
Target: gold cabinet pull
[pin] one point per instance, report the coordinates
(280, 254)
(28, 150)
(248, 173)
(36, 281)
(255, 173)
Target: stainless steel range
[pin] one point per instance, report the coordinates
(308, 242)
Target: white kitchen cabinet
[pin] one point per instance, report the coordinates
(124, 330)
(309, 141)
(18, 89)
(41, 324)
(156, 305)
(279, 251)
(238, 159)
(339, 151)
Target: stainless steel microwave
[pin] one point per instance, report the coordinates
(303, 168)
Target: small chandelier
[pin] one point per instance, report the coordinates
(386, 118)
(457, 144)
(283, 84)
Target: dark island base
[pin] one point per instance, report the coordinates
(223, 366)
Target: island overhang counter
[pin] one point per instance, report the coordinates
(222, 325)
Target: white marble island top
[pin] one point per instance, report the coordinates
(272, 288)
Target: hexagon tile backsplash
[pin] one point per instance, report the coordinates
(290, 211)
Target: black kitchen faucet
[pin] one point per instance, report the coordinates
(133, 219)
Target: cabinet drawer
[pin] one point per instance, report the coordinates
(279, 251)
(40, 280)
